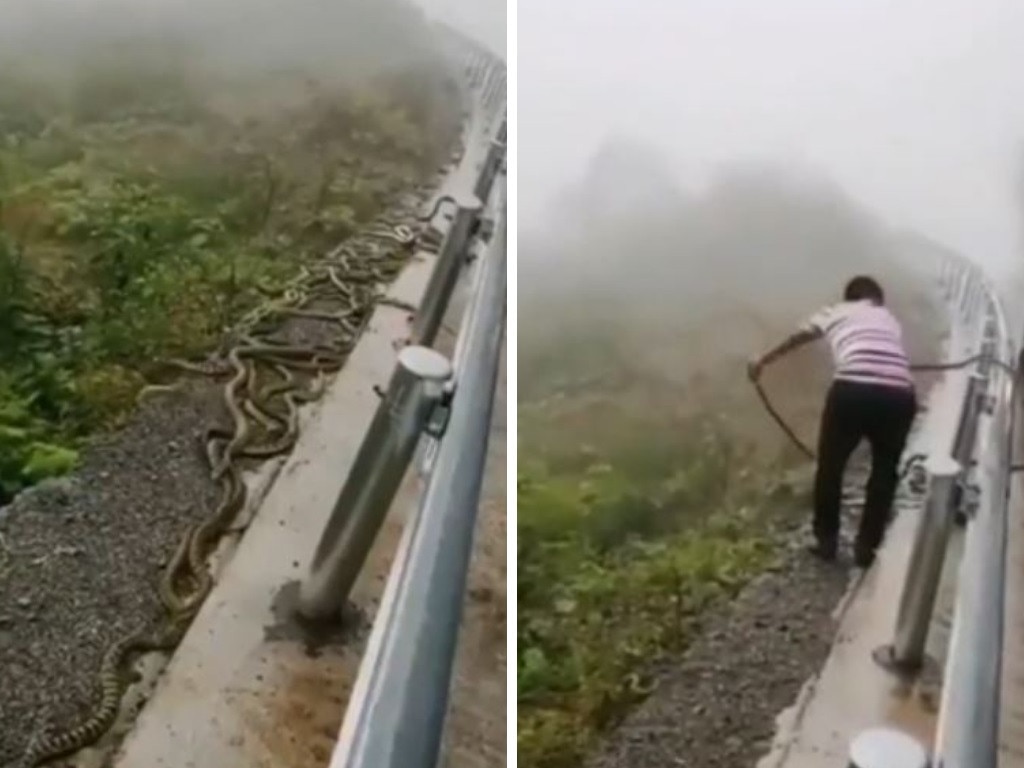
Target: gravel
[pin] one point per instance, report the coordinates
(716, 707)
(80, 558)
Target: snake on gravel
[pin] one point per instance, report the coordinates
(352, 274)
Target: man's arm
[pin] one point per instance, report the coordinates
(800, 338)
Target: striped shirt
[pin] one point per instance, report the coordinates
(866, 342)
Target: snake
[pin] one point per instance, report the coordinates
(48, 747)
(186, 581)
(429, 216)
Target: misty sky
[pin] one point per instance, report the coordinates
(916, 107)
(485, 20)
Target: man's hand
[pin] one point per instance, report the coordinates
(754, 368)
(798, 339)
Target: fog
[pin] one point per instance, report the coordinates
(331, 41)
(695, 177)
(483, 20)
(916, 110)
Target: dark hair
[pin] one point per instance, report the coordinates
(863, 287)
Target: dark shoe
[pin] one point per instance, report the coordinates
(824, 552)
(864, 559)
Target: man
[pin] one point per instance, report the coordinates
(872, 396)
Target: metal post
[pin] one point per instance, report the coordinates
(489, 169)
(415, 388)
(396, 713)
(988, 350)
(917, 603)
(965, 440)
(492, 76)
(974, 306)
(967, 428)
(445, 276)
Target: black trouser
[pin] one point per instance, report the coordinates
(854, 411)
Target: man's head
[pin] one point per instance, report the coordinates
(864, 288)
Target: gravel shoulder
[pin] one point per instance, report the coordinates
(82, 555)
(717, 706)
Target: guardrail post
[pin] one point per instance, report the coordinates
(965, 296)
(967, 429)
(966, 439)
(489, 170)
(921, 586)
(444, 278)
(416, 387)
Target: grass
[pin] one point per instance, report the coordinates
(623, 545)
(139, 219)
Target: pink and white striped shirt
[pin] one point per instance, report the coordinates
(866, 341)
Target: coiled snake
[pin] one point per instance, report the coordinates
(351, 274)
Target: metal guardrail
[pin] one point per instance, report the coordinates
(975, 469)
(398, 707)
(396, 713)
(968, 732)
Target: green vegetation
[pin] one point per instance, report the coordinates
(145, 206)
(622, 547)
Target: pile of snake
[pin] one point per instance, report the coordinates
(264, 416)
